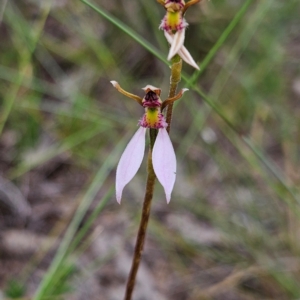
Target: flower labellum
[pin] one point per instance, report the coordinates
(163, 155)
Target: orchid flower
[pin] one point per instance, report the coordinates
(163, 155)
(174, 26)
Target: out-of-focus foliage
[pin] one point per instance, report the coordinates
(231, 230)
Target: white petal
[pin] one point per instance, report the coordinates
(177, 43)
(164, 162)
(130, 161)
(183, 52)
(187, 57)
(169, 37)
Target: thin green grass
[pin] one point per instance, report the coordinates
(85, 202)
(127, 30)
(241, 44)
(262, 161)
(10, 97)
(68, 144)
(237, 185)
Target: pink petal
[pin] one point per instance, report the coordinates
(130, 161)
(182, 52)
(177, 43)
(164, 161)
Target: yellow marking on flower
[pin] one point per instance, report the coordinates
(173, 20)
(152, 117)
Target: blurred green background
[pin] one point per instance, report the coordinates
(232, 229)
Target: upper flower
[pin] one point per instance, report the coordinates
(174, 26)
(173, 19)
(163, 155)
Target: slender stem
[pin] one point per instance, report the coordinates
(174, 80)
(143, 227)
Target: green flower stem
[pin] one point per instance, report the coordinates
(174, 80)
(143, 227)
